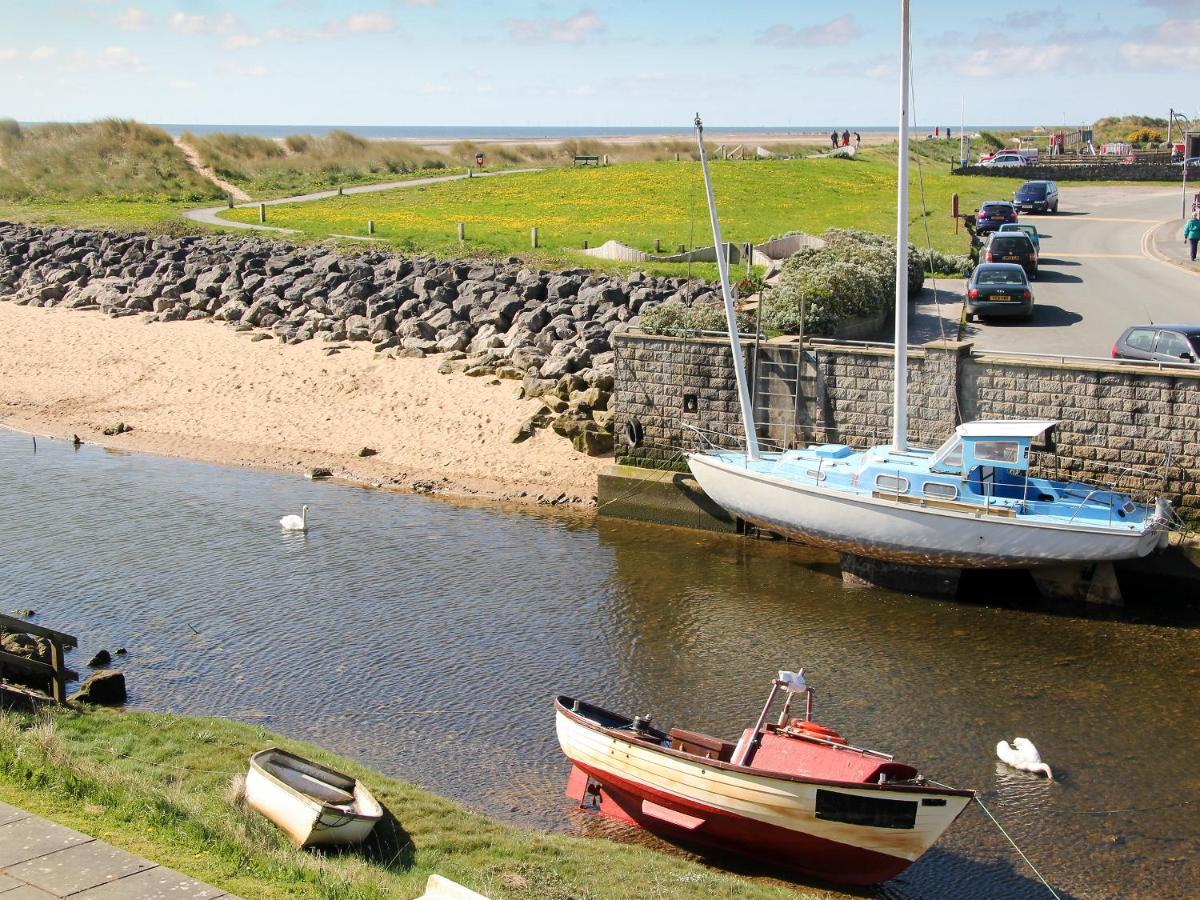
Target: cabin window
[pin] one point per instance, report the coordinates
(815, 474)
(892, 484)
(997, 451)
(876, 812)
(939, 490)
(949, 456)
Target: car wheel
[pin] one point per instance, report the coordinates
(971, 317)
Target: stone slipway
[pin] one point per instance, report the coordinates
(42, 860)
(209, 215)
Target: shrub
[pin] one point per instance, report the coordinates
(675, 318)
(1144, 136)
(852, 276)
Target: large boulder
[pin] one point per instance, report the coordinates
(104, 688)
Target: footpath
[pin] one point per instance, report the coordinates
(1167, 244)
(41, 860)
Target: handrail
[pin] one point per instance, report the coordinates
(54, 671)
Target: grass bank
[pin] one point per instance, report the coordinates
(639, 203)
(161, 786)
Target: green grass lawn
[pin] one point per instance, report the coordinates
(638, 203)
(161, 786)
(154, 216)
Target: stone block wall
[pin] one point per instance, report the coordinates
(1080, 172)
(1117, 421)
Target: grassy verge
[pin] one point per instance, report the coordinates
(161, 786)
(639, 203)
(152, 216)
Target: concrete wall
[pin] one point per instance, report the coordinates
(1114, 417)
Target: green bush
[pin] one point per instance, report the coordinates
(674, 318)
(852, 276)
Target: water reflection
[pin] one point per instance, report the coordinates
(427, 639)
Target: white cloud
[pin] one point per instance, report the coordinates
(39, 54)
(134, 18)
(119, 57)
(1180, 31)
(181, 85)
(360, 23)
(882, 72)
(572, 30)
(433, 87)
(1163, 58)
(185, 23)
(245, 71)
(841, 30)
(240, 41)
(7, 53)
(1014, 60)
(417, 2)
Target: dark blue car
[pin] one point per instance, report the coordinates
(1037, 196)
(992, 214)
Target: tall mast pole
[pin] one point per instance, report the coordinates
(900, 394)
(739, 362)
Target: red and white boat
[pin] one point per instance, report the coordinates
(790, 794)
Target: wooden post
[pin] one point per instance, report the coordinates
(229, 200)
(462, 232)
(58, 687)
(748, 250)
(585, 246)
(676, 156)
(262, 212)
(606, 159)
(340, 190)
(370, 226)
(533, 237)
(657, 246)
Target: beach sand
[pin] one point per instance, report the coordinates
(732, 138)
(203, 391)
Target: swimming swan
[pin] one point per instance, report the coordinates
(1023, 755)
(296, 523)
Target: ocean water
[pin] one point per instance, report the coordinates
(428, 639)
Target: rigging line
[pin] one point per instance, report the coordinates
(1032, 867)
(912, 88)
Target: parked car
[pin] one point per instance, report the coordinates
(1029, 230)
(1162, 343)
(999, 289)
(1012, 248)
(992, 214)
(1005, 159)
(1037, 196)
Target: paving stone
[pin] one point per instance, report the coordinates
(11, 814)
(152, 884)
(78, 868)
(27, 892)
(30, 838)
(7, 883)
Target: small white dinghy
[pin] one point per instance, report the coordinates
(314, 805)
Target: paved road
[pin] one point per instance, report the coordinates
(210, 215)
(1099, 274)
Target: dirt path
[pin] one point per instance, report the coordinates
(204, 171)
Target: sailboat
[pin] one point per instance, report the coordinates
(970, 503)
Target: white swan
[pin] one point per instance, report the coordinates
(1023, 755)
(294, 522)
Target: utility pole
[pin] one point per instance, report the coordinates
(1170, 122)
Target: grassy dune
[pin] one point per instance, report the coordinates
(112, 160)
(301, 163)
(641, 202)
(164, 787)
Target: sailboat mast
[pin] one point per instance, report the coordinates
(739, 362)
(900, 395)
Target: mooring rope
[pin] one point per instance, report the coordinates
(1032, 867)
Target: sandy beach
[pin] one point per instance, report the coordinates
(733, 138)
(203, 391)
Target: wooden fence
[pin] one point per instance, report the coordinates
(53, 672)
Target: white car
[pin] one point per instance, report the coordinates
(1005, 159)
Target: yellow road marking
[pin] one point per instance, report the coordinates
(1050, 256)
(1106, 219)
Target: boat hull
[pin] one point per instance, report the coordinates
(879, 528)
(769, 818)
(306, 820)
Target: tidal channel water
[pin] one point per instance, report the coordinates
(427, 639)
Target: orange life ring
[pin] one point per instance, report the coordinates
(812, 729)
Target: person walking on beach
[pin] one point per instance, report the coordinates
(846, 138)
(1191, 234)
(857, 140)
(833, 139)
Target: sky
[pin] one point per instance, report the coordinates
(637, 62)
